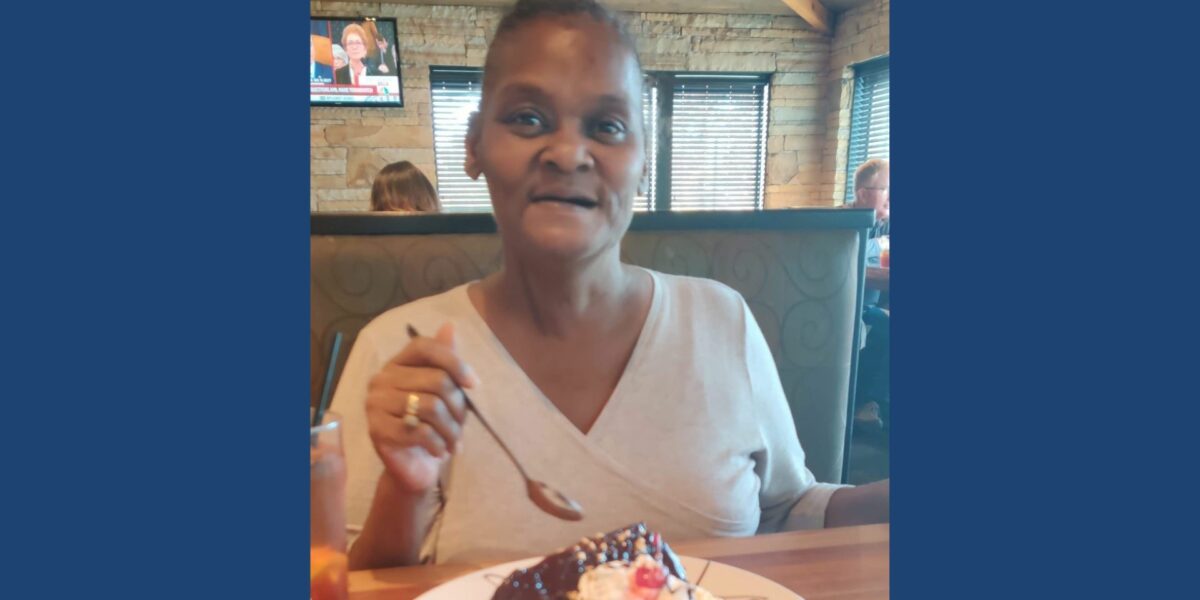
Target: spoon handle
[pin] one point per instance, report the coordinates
(483, 421)
(412, 333)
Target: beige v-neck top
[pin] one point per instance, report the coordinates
(696, 440)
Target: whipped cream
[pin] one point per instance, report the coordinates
(644, 579)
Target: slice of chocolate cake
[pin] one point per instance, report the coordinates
(630, 562)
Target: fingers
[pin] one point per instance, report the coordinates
(436, 434)
(387, 414)
(445, 335)
(429, 370)
(396, 435)
(402, 380)
(432, 412)
(439, 408)
(428, 439)
(438, 352)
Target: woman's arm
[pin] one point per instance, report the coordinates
(395, 528)
(395, 461)
(859, 505)
(790, 496)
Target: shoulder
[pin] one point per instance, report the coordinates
(699, 294)
(701, 312)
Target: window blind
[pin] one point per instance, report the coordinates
(650, 119)
(869, 118)
(454, 93)
(718, 142)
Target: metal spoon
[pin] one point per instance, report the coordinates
(550, 500)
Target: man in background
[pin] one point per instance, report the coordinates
(872, 182)
(382, 62)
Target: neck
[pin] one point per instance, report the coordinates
(558, 298)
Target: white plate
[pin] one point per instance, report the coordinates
(720, 579)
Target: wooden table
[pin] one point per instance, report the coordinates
(847, 563)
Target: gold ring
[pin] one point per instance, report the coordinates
(411, 421)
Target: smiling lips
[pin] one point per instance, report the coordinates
(580, 201)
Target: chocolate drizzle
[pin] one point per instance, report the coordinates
(559, 573)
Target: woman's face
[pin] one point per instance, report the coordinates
(560, 138)
(355, 47)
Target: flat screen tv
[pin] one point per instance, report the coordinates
(354, 61)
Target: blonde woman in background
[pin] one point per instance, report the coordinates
(402, 187)
(354, 40)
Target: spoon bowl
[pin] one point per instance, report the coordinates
(552, 501)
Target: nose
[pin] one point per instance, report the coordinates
(568, 151)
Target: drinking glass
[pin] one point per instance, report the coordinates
(327, 512)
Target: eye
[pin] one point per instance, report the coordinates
(526, 122)
(609, 130)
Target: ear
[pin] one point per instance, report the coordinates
(471, 165)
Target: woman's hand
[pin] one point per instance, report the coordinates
(430, 369)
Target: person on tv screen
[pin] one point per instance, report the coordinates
(317, 72)
(402, 188)
(381, 61)
(385, 61)
(354, 40)
(340, 58)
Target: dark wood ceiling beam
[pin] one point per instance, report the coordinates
(813, 12)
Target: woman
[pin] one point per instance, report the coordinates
(403, 188)
(340, 58)
(644, 396)
(354, 40)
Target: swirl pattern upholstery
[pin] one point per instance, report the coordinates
(801, 273)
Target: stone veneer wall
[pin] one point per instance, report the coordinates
(350, 145)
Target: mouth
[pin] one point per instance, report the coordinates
(579, 201)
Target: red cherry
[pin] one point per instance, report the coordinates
(653, 578)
